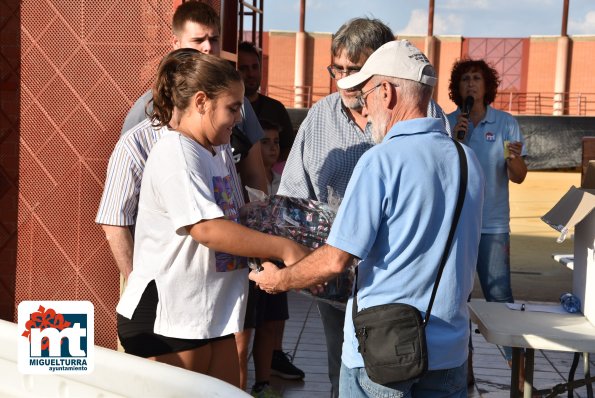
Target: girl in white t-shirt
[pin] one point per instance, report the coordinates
(186, 294)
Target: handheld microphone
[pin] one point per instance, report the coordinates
(467, 105)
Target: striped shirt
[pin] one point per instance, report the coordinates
(327, 148)
(119, 202)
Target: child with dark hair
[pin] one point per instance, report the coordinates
(269, 146)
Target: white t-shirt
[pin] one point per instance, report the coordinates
(274, 185)
(201, 292)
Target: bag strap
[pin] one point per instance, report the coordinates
(455, 221)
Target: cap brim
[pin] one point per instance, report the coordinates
(353, 80)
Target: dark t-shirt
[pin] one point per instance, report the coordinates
(274, 111)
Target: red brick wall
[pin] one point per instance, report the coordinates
(319, 49)
(538, 67)
(279, 65)
(582, 68)
(542, 64)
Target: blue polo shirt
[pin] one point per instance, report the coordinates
(487, 141)
(396, 216)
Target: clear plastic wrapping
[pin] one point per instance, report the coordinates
(304, 221)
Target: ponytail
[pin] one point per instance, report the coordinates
(163, 103)
(181, 74)
(163, 95)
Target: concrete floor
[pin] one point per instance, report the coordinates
(304, 340)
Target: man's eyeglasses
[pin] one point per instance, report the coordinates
(361, 97)
(337, 73)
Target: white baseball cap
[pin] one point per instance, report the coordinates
(397, 58)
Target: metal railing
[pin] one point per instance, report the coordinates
(517, 103)
(540, 103)
(292, 96)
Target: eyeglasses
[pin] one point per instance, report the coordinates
(361, 97)
(337, 73)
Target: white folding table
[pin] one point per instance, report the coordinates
(533, 330)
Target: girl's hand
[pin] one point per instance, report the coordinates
(317, 289)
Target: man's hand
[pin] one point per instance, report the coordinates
(315, 269)
(268, 278)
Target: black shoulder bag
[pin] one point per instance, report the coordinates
(392, 337)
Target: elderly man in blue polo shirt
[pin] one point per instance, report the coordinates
(395, 217)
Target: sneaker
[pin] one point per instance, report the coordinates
(282, 367)
(265, 391)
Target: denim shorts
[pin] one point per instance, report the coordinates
(355, 383)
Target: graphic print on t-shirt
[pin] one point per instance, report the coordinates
(222, 189)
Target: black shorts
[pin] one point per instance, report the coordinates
(137, 336)
(262, 307)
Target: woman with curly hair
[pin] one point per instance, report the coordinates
(497, 141)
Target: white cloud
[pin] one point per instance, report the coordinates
(316, 4)
(447, 24)
(464, 5)
(545, 3)
(585, 26)
(417, 25)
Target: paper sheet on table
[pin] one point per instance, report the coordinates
(552, 308)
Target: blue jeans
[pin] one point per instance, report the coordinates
(493, 270)
(493, 267)
(333, 320)
(355, 383)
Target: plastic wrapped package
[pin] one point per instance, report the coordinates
(304, 221)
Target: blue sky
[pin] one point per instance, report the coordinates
(470, 18)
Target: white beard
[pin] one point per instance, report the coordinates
(379, 128)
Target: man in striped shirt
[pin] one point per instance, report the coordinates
(330, 141)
